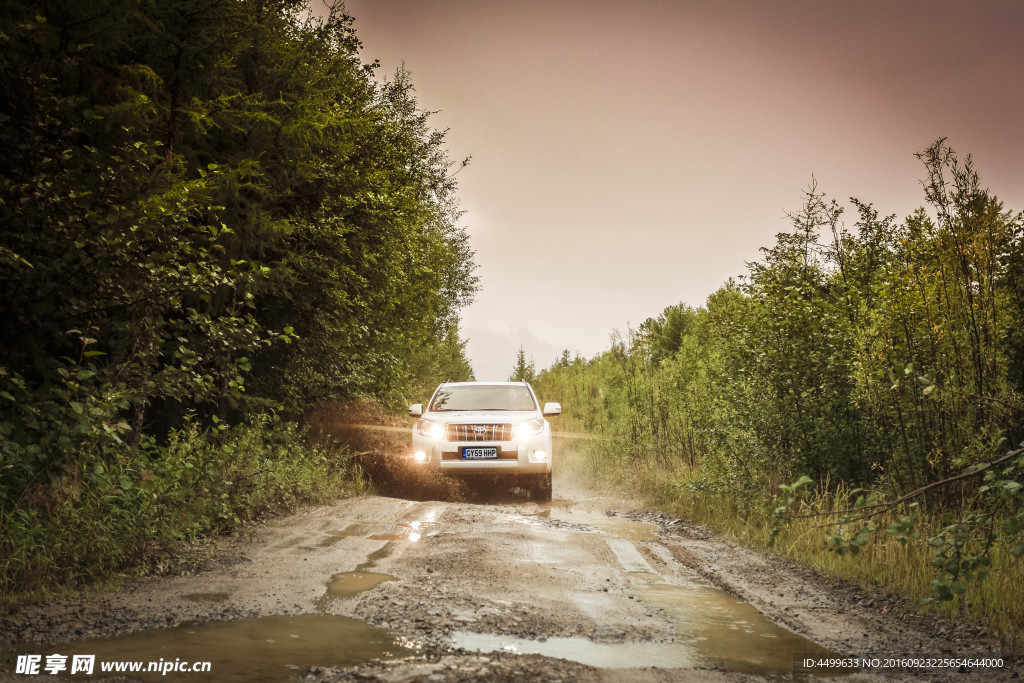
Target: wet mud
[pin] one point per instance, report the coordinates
(264, 649)
(382, 588)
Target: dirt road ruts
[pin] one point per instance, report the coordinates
(584, 588)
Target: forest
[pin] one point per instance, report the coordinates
(854, 400)
(213, 217)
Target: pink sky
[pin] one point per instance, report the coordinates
(629, 156)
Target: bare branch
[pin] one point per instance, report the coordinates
(879, 508)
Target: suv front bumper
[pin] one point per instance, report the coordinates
(521, 456)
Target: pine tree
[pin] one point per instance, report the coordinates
(524, 371)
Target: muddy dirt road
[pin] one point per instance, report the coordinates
(584, 588)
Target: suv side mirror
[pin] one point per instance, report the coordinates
(551, 409)
(415, 410)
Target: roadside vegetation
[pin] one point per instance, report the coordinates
(213, 218)
(854, 401)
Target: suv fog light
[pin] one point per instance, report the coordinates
(540, 456)
(420, 456)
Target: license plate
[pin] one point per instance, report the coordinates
(479, 453)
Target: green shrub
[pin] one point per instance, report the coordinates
(114, 508)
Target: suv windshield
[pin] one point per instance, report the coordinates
(483, 397)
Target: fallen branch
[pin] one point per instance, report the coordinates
(879, 508)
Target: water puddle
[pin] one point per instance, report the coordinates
(413, 531)
(679, 654)
(349, 584)
(206, 597)
(712, 627)
(621, 527)
(395, 537)
(348, 533)
(419, 524)
(345, 585)
(624, 528)
(388, 537)
(646, 576)
(251, 650)
(721, 630)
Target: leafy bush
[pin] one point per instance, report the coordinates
(884, 360)
(210, 211)
(112, 509)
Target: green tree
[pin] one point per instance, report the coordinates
(209, 209)
(524, 370)
(884, 358)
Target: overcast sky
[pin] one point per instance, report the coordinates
(629, 156)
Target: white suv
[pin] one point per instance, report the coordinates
(479, 428)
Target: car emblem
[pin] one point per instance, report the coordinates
(480, 429)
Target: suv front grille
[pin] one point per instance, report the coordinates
(462, 432)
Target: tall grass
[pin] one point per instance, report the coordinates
(112, 517)
(884, 563)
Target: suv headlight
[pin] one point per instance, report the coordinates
(434, 430)
(530, 428)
